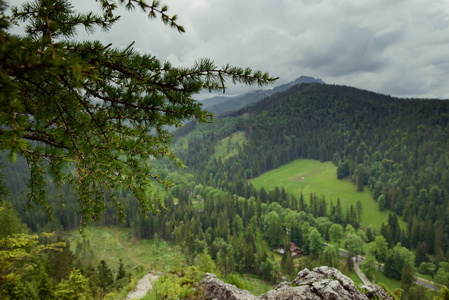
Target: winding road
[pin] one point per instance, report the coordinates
(418, 280)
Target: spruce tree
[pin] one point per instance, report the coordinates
(105, 277)
(89, 114)
(121, 273)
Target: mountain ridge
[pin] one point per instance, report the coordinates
(221, 105)
(395, 147)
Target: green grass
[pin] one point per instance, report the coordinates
(249, 282)
(230, 145)
(391, 284)
(354, 277)
(311, 176)
(424, 276)
(155, 253)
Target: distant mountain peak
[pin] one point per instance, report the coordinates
(308, 79)
(220, 105)
(300, 80)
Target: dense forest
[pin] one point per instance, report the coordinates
(396, 148)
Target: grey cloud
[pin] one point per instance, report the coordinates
(391, 47)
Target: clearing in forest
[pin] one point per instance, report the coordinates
(312, 176)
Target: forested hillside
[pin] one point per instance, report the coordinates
(220, 105)
(397, 148)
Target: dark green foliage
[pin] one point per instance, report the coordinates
(407, 277)
(272, 228)
(105, 277)
(316, 243)
(343, 170)
(121, 273)
(443, 294)
(62, 262)
(442, 275)
(397, 260)
(10, 222)
(45, 285)
(381, 202)
(287, 266)
(421, 254)
(397, 148)
(415, 292)
(90, 115)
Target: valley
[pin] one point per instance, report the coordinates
(309, 165)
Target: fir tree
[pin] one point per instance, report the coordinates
(105, 277)
(121, 271)
(92, 115)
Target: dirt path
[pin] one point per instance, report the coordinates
(145, 283)
(127, 250)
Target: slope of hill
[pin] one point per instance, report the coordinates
(221, 105)
(397, 148)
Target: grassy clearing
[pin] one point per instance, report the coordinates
(158, 255)
(155, 253)
(311, 176)
(229, 146)
(105, 246)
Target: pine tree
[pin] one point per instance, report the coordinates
(302, 204)
(62, 261)
(44, 285)
(338, 218)
(121, 273)
(93, 107)
(105, 277)
(407, 277)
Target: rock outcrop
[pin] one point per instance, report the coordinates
(216, 289)
(321, 283)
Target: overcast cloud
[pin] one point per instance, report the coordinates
(398, 48)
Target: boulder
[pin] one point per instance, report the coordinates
(374, 291)
(215, 289)
(321, 283)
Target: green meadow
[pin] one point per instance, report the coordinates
(312, 176)
(230, 145)
(147, 255)
(154, 254)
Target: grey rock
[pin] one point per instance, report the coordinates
(321, 283)
(215, 289)
(374, 291)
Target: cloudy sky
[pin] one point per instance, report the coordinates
(396, 47)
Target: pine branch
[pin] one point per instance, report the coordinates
(101, 109)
